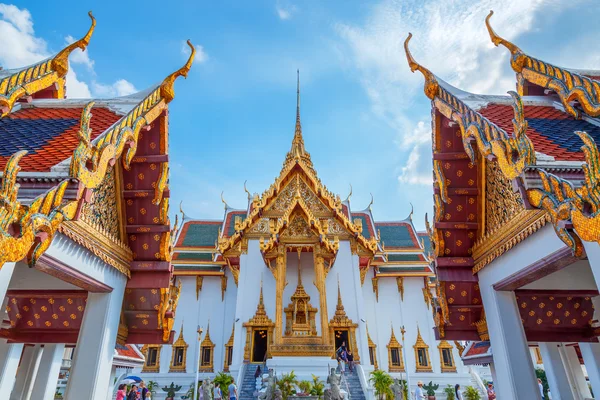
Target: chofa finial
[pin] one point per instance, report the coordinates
(497, 39)
(349, 194)
(431, 84)
(371, 203)
(60, 63)
(166, 88)
(223, 201)
(246, 190)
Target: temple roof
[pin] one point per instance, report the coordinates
(477, 353)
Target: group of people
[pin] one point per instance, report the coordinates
(344, 356)
(135, 393)
(421, 394)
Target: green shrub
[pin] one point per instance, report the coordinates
(382, 382)
(450, 393)
(287, 385)
(223, 380)
(471, 393)
(317, 387)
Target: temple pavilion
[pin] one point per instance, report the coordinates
(85, 238)
(286, 280)
(515, 230)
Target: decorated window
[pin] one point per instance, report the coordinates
(229, 351)
(372, 351)
(152, 354)
(446, 357)
(206, 352)
(178, 357)
(422, 354)
(395, 360)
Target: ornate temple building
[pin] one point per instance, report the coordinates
(515, 230)
(85, 238)
(288, 279)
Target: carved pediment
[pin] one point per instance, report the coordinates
(287, 195)
(298, 230)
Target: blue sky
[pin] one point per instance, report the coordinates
(365, 119)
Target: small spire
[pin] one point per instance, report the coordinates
(339, 293)
(298, 142)
(299, 269)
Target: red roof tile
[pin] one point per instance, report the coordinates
(48, 134)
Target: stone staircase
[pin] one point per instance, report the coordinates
(248, 384)
(353, 382)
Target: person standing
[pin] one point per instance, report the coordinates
(232, 390)
(143, 389)
(490, 392)
(121, 392)
(350, 358)
(457, 392)
(541, 386)
(419, 394)
(132, 393)
(218, 393)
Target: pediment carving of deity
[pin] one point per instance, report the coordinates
(298, 229)
(286, 197)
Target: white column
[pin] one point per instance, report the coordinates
(514, 370)
(555, 372)
(92, 361)
(493, 372)
(44, 386)
(578, 382)
(27, 372)
(591, 359)
(10, 355)
(6, 272)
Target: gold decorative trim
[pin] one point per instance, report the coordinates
(223, 286)
(228, 350)
(400, 283)
(394, 345)
(151, 368)
(446, 346)
(260, 320)
(482, 329)
(340, 321)
(41, 75)
(372, 351)
(427, 297)
(513, 232)
(421, 345)
(375, 283)
(207, 344)
(169, 299)
(569, 86)
(199, 281)
(180, 344)
(110, 250)
(460, 347)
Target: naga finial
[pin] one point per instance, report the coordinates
(166, 88)
(431, 84)
(497, 39)
(9, 188)
(223, 201)
(60, 63)
(246, 190)
(371, 203)
(349, 194)
(412, 210)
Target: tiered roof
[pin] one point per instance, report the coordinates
(64, 160)
(484, 148)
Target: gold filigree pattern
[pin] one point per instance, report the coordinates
(169, 299)
(569, 86)
(102, 210)
(41, 75)
(513, 153)
(501, 202)
(563, 202)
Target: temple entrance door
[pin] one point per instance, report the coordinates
(341, 336)
(259, 345)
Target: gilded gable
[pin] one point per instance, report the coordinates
(286, 197)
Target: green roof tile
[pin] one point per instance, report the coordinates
(199, 234)
(365, 225)
(404, 257)
(195, 256)
(395, 235)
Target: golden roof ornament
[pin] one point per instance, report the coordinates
(60, 62)
(431, 83)
(517, 56)
(166, 88)
(349, 194)
(223, 201)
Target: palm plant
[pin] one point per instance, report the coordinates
(317, 387)
(382, 382)
(287, 385)
(152, 385)
(450, 393)
(223, 380)
(305, 387)
(471, 393)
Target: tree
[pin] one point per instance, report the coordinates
(382, 381)
(152, 385)
(223, 381)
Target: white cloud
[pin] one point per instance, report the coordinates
(25, 48)
(200, 57)
(451, 39)
(285, 10)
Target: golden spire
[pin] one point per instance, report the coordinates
(207, 335)
(431, 84)
(298, 142)
(60, 62)
(339, 308)
(166, 88)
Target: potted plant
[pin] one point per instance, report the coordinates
(152, 385)
(471, 393)
(450, 393)
(317, 387)
(431, 388)
(287, 385)
(382, 381)
(223, 380)
(305, 388)
(171, 391)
